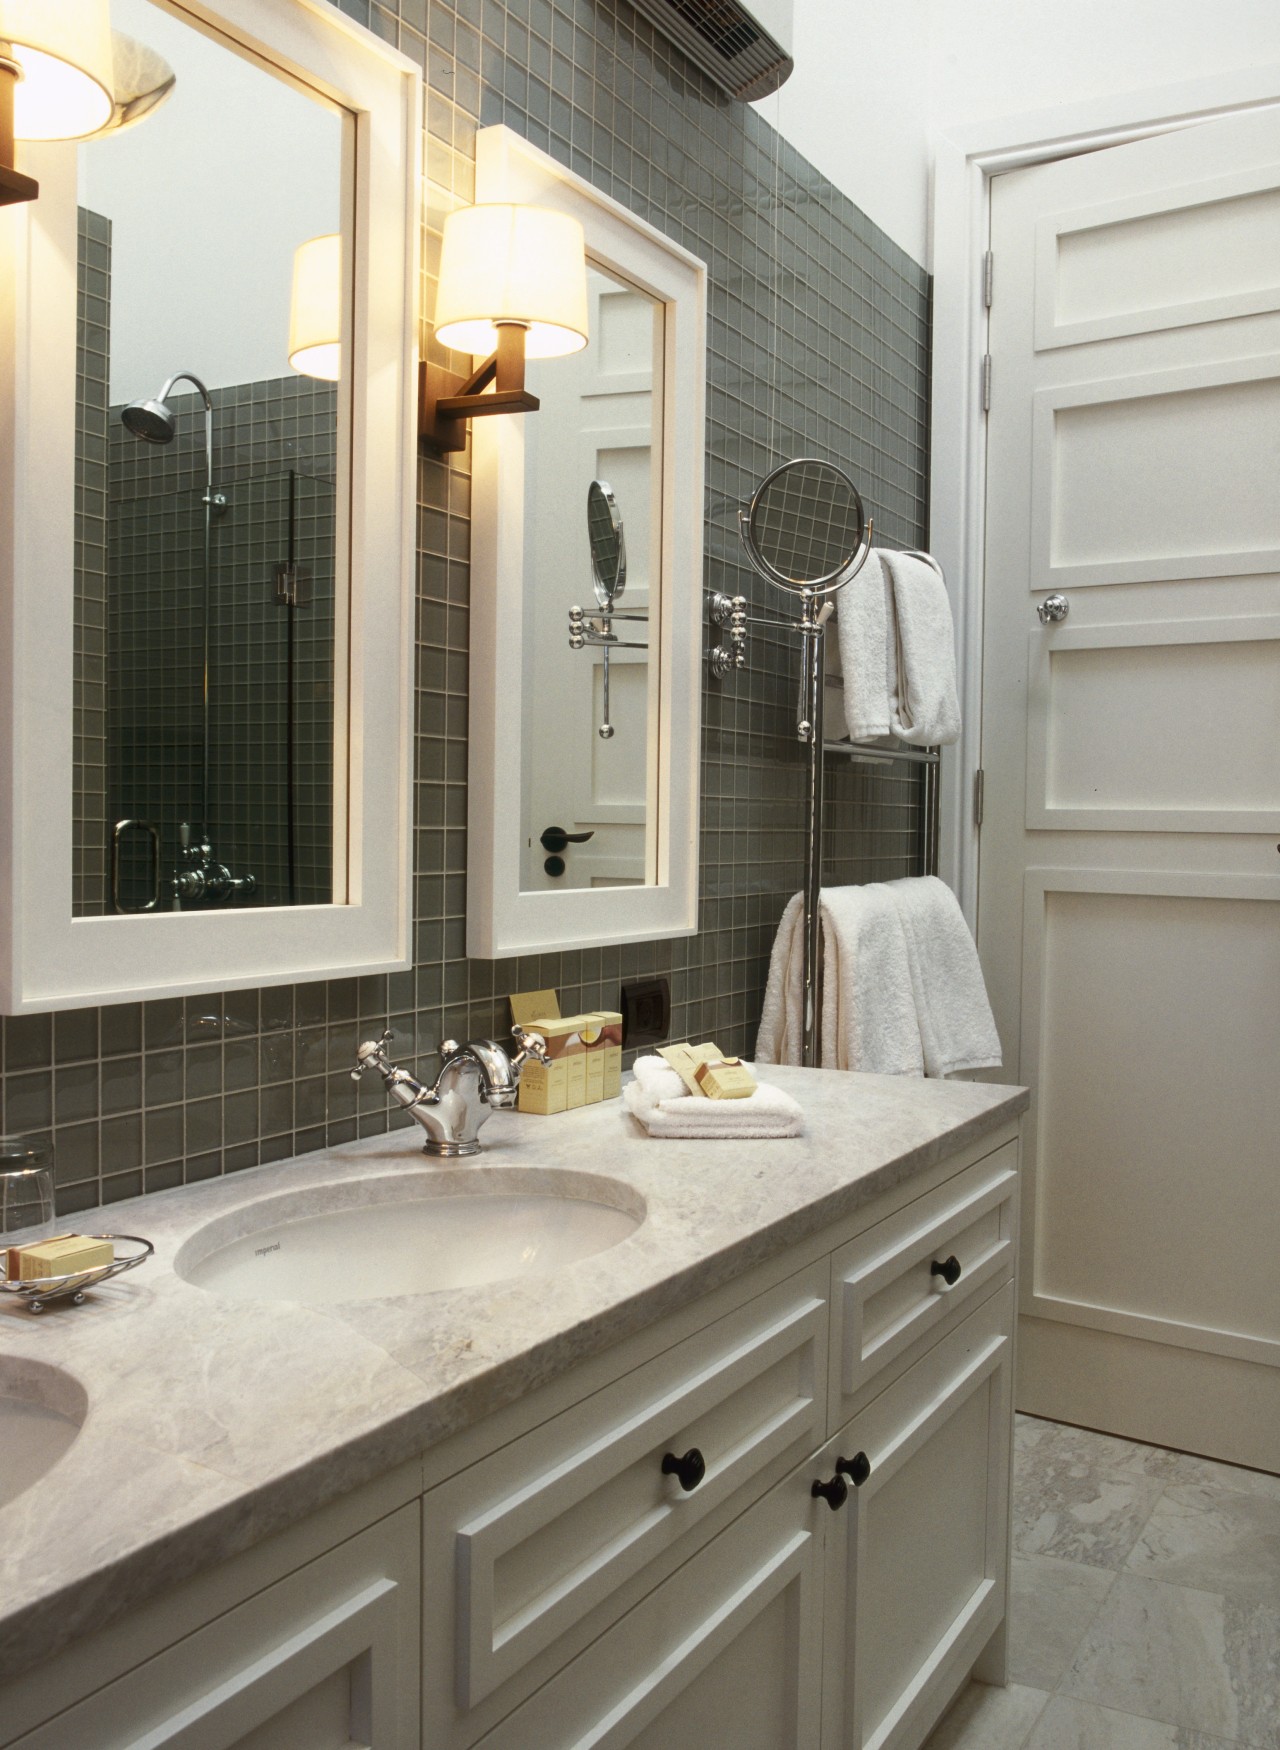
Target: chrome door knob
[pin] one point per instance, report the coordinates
(1053, 609)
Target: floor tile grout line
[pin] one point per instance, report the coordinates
(1044, 1708)
(1075, 1652)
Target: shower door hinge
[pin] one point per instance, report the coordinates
(979, 787)
(986, 382)
(291, 585)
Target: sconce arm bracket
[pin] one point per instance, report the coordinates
(447, 400)
(14, 186)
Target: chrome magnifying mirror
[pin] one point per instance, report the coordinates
(608, 543)
(805, 529)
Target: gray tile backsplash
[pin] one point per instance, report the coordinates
(818, 343)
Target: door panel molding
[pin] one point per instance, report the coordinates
(1187, 380)
(1036, 1299)
(1051, 228)
(1042, 646)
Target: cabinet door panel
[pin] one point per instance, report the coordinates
(326, 1657)
(725, 1652)
(539, 1547)
(916, 1573)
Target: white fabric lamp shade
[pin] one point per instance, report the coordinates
(315, 309)
(502, 263)
(63, 48)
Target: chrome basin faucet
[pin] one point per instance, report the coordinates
(473, 1080)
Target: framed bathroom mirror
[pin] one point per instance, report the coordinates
(586, 598)
(209, 406)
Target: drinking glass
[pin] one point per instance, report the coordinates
(26, 1188)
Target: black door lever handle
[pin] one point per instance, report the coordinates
(555, 838)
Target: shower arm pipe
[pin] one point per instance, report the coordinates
(206, 630)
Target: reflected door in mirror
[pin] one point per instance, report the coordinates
(593, 467)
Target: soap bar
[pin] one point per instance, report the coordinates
(729, 1079)
(686, 1060)
(64, 1256)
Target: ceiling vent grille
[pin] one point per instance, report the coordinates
(726, 41)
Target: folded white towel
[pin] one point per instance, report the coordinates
(864, 622)
(924, 704)
(868, 1019)
(768, 1112)
(957, 1028)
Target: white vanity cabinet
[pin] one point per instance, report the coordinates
(633, 1555)
(583, 1597)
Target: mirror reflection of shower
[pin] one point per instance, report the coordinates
(199, 876)
(606, 534)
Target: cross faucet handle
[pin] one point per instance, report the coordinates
(371, 1053)
(531, 1044)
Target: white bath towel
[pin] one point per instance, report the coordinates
(863, 625)
(768, 1112)
(782, 1019)
(924, 704)
(957, 1028)
(868, 1019)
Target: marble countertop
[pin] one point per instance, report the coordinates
(213, 1423)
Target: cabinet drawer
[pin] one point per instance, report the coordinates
(326, 1657)
(886, 1294)
(538, 1548)
(727, 1652)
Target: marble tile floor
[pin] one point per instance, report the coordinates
(1145, 1610)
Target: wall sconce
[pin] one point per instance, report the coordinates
(315, 309)
(56, 79)
(513, 286)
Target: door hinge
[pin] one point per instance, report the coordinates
(291, 584)
(986, 382)
(988, 270)
(979, 787)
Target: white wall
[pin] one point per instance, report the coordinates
(208, 198)
(873, 79)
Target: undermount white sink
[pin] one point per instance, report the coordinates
(41, 1410)
(408, 1233)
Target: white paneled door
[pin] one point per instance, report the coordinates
(1129, 893)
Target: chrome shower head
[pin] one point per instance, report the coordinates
(156, 422)
(150, 420)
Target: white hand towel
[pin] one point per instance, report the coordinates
(868, 1010)
(864, 622)
(868, 1019)
(957, 1028)
(924, 706)
(768, 1112)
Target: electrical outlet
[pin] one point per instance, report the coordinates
(646, 1012)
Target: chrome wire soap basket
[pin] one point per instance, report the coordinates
(38, 1292)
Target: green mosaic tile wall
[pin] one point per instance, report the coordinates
(818, 344)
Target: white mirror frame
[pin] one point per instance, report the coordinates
(501, 918)
(48, 958)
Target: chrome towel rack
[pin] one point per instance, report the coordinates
(735, 613)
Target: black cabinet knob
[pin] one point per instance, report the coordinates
(688, 1471)
(857, 1468)
(948, 1269)
(835, 1493)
